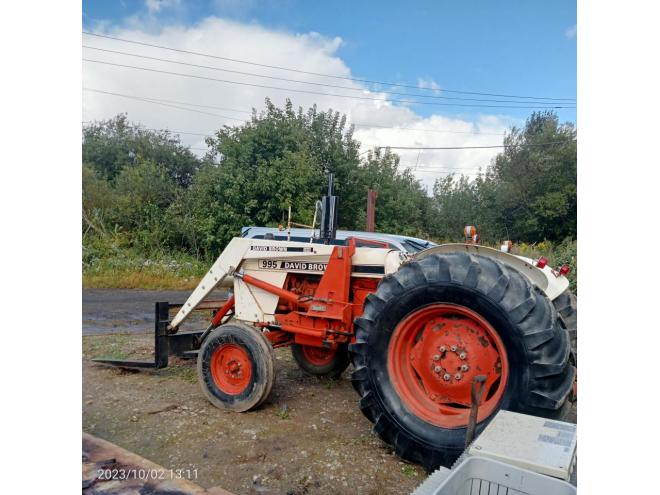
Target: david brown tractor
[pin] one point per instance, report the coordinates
(418, 330)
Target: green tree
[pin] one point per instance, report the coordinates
(527, 193)
(110, 146)
(281, 158)
(403, 206)
(538, 181)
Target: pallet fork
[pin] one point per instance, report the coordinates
(180, 344)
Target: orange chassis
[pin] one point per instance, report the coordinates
(314, 311)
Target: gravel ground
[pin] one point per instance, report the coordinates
(309, 437)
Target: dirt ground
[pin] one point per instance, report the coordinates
(309, 437)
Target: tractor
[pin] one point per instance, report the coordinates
(418, 330)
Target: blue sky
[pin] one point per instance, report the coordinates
(513, 47)
(509, 47)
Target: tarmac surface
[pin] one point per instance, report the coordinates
(106, 311)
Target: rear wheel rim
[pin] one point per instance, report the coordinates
(231, 369)
(434, 354)
(318, 356)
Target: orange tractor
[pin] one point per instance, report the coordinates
(421, 332)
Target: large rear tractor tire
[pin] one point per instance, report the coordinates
(235, 367)
(436, 324)
(318, 361)
(566, 306)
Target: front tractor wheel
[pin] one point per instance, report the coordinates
(433, 326)
(235, 367)
(319, 361)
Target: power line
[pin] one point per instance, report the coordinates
(438, 168)
(161, 130)
(474, 147)
(166, 101)
(368, 81)
(427, 130)
(146, 100)
(149, 98)
(156, 102)
(254, 85)
(356, 124)
(424, 168)
(252, 74)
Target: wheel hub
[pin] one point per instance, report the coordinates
(231, 368)
(318, 356)
(446, 347)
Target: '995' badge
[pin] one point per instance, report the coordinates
(300, 266)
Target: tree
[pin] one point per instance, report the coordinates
(537, 177)
(281, 158)
(403, 206)
(527, 193)
(110, 146)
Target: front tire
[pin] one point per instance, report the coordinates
(446, 311)
(235, 367)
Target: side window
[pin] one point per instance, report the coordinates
(333, 242)
(376, 244)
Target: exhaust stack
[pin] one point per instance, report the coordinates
(329, 214)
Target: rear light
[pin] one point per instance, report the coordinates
(541, 262)
(564, 270)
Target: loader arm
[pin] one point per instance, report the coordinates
(223, 267)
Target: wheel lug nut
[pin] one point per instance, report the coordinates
(436, 358)
(453, 348)
(465, 367)
(462, 355)
(447, 377)
(458, 376)
(437, 369)
(442, 348)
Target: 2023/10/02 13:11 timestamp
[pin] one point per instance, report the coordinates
(146, 474)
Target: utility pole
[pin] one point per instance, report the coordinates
(371, 210)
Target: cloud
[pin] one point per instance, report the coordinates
(571, 32)
(428, 84)
(378, 123)
(155, 6)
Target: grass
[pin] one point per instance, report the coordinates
(187, 372)
(283, 412)
(129, 279)
(556, 253)
(109, 265)
(106, 346)
(409, 471)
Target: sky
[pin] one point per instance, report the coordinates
(381, 55)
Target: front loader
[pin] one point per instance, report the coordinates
(417, 329)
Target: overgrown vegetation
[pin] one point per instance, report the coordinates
(154, 215)
(556, 253)
(527, 194)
